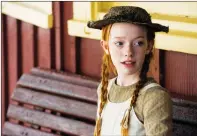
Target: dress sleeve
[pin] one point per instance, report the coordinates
(157, 113)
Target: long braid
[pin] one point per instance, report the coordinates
(103, 94)
(140, 85)
(104, 81)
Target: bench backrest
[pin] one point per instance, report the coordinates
(48, 103)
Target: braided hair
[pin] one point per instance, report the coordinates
(104, 82)
(107, 67)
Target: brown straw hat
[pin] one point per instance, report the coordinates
(130, 14)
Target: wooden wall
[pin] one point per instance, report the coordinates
(25, 46)
(180, 73)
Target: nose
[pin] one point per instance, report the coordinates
(128, 51)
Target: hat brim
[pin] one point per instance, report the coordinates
(101, 23)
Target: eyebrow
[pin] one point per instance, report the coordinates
(125, 37)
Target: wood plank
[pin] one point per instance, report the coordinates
(185, 101)
(57, 87)
(184, 108)
(66, 76)
(12, 57)
(69, 42)
(55, 103)
(180, 129)
(90, 58)
(57, 35)
(50, 121)
(35, 47)
(27, 43)
(19, 50)
(18, 130)
(52, 49)
(185, 114)
(192, 75)
(4, 81)
(44, 48)
(3, 98)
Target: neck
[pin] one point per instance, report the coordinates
(126, 80)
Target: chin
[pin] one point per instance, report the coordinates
(127, 72)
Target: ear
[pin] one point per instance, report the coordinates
(104, 46)
(150, 46)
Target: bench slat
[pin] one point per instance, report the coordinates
(186, 114)
(58, 87)
(180, 129)
(18, 130)
(65, 76)
(183, 100)
(60, 104)
(50, 121)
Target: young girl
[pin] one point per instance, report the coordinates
(131, 103)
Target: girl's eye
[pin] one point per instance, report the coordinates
(118, 43)
(139, 43)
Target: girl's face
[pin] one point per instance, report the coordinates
(127, 46)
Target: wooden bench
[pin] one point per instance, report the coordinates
(50, 103)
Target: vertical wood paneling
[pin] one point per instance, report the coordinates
(44, 48)
(173, 73)
(2, 72)
(3, 96)
(192, 74)
(52, 49)
(28, 46)
(4, 82)
(35, 46)
(181, 73)
(90, 57)
(12, 59)
(69, 48)
(57, 36)
(19, 49)
(27, 43)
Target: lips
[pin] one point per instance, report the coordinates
(128, 63)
